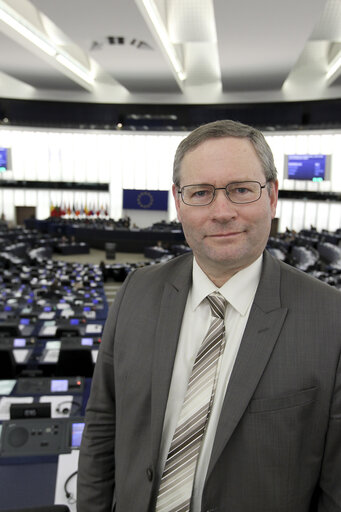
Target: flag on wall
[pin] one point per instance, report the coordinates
(145, 199)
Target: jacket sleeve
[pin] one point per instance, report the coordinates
(96, 467)
(330, 481)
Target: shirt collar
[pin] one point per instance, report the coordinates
(239, 291)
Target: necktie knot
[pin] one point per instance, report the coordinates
(217, 304)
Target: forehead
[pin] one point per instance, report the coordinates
(226, 158)
(223, 147)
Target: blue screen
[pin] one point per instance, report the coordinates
(19, 342)
(76, 434)
(3, 159)
(87, 342)
(58, 385)
(307, 167)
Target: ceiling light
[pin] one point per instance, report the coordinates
(334, 68)
(28, 31)
(151, 14)
(75, 68)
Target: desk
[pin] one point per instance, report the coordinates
(33, 481)
(28, 483)
(67, 249)
(37, 483)
(126, 240)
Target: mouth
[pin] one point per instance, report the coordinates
(225, 235)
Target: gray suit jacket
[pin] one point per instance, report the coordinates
(278, 442)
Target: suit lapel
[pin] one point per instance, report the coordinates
(260, 336)
(167, 333)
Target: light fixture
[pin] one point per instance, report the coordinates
(8, 16)
(152, 16)
(334, 68)
(30, 33)
(75, 68)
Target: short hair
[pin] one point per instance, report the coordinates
(221, 129)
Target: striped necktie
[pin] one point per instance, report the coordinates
(178, 477)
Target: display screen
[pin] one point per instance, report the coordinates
(58, 385)
(307, 167)
(76, 434)
(88, 342)
(4, 154)
(19, 342)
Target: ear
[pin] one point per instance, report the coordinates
(273, 193)
(177, 200)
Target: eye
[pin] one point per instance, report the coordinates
(200, 193)
(241, 190)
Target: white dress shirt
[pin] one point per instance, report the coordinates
(239, 291)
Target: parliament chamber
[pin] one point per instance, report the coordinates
(77, 140)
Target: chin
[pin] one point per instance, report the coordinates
(235, 257)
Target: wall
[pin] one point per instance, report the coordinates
(119, 159)
(145, 219)
(144, 161)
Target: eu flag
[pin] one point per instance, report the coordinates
(145, 199)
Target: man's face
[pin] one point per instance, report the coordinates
(225, 237)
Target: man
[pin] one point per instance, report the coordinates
(269, 428)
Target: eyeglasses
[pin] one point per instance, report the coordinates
(239, 192)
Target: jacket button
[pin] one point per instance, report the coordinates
(150, 473)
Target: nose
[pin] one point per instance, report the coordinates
(222, 208)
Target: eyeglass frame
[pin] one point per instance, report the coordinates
(180, 191)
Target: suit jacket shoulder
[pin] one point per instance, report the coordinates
(287, 285)
(148, 282)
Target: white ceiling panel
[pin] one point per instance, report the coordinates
(262, 40)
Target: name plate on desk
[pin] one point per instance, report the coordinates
(94, 329)
(33, 410)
